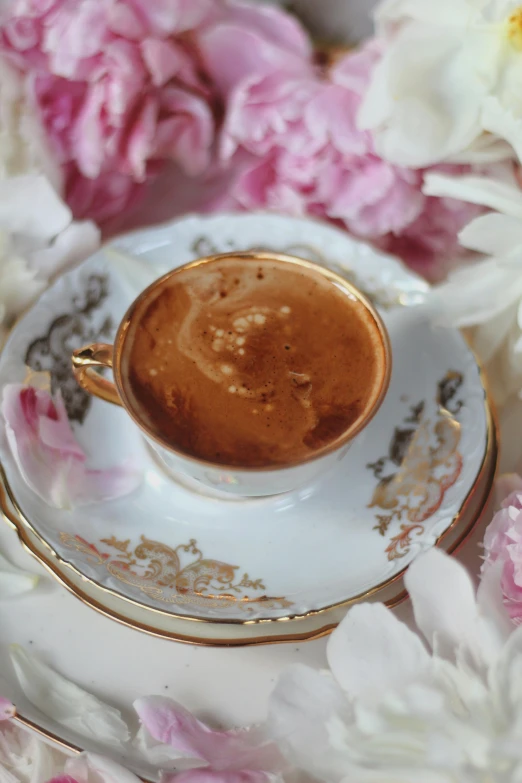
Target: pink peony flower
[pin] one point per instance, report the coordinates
(503, 543)
(121, 86)
(295, 136)
(217, 756)
(48, 456)
(116, 88)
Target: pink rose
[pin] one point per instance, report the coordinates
(503, 542)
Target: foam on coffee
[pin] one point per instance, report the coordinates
(252, 363)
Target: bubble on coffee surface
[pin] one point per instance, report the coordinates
(229, 348)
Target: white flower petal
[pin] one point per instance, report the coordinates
(495, 622)
(444, 605)
(377, 104)
(24, 758)
(24, 146)
(492, 193)
(300, 707)
(432, 570)
(506, 676)
(67, 703)
(73, 244)
(372, 652)
(493, 234)
(488, 337)
(453, 13)
(137, 273)
(13, 580)
(475, 294)
(18, 196)
(423, 103)
(18, 283)
(397, 775)
(7, 709)
(486, 148)
(501, 121)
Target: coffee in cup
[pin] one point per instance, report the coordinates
(249, 364)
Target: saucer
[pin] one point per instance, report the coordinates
(180, 564)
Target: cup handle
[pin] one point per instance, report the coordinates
(85, 361)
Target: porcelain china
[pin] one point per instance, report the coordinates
(234, 481)
(268, 569)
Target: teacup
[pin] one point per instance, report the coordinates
(250, 373)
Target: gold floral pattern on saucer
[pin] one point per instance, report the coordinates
(160, 571)
(50, 351)
(428, 462)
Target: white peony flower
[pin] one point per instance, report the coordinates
(392, 710)
(38, 239)
(486, 297)
(451, 70)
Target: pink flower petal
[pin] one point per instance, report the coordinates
(48, 456)
(233, 53)
(105, 198)
(142, 139)
(270, 23)
(88, 136)
(124, 20)
(171, 724)
(164, 60)
(186, 136)
(164, 17)
(22, 33)
(503, 544)
(125, 79)
(331, 115)
(7, 709)
(77, 33)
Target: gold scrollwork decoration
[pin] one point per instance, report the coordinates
(425, 462)
(180, 575)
